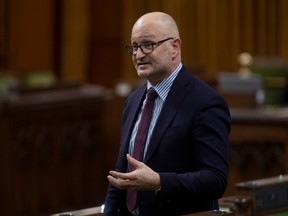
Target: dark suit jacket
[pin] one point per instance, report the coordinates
(188, 148)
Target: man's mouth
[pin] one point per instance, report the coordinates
(142, 64)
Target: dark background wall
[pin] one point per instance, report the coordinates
(85, 39)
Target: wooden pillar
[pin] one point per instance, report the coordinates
(75, 41)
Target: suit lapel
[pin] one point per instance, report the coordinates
(175, 98)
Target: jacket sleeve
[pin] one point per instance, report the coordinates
(209, 140)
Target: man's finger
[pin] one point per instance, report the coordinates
(120, 175)
(122, 184)
(133, 161)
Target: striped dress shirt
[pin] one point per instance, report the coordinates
(162, 90)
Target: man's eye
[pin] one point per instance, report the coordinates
(147, 45)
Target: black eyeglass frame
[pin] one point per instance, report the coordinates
(132, 49)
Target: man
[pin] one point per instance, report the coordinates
(184, 168)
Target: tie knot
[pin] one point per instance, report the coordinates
(151, 94)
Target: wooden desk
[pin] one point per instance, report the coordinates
(212, 213)
(52, 151)
(97, 211)
(94, 211)
(258, 144)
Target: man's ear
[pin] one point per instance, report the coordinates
(176, 47)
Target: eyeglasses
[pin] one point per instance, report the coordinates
(146, 48)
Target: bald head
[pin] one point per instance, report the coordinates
(157, 23)
(156, 46)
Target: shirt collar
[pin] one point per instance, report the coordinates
(162, 88)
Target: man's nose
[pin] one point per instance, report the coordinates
(139, 53)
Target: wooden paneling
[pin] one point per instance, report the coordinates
(258, 145)
(214, 32)
(105, 61)
(52, 152)
(3, 34)
(86, 39)
(31, 35)
(75, 39)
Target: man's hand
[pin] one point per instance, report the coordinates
(142, 178)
